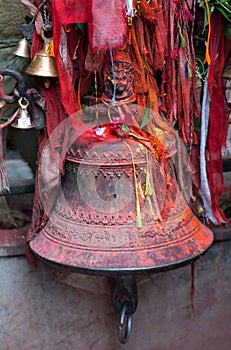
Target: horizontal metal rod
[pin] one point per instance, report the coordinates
(20, 187)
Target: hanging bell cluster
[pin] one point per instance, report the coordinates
(23, 120)
(93, 227)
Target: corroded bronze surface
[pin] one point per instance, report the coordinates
(93, 225)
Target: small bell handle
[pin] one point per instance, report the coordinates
(23, 102)
(44, 37)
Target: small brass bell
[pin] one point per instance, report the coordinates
(21, 49)
(23, 121)
(43, 65)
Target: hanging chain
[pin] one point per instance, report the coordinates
(37, 11)
(46, 18)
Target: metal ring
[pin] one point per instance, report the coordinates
(23, 102)
(125, 325)
(45, 39)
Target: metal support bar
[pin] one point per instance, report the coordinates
(20, 187)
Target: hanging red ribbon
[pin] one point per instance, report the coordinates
(218, 119)
(64, 64)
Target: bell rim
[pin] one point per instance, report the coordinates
(49, 252)
(107, 272)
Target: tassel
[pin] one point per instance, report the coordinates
(183, 42)
(151, 195)
(148, 187)
(155, 217)
(51, 49)
(138, 215)
(138, 212)
(141, 191)
(149, 192)
(207, 57)
(188, 69)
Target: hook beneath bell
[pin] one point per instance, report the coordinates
(23, 121)
(21, 49)
(43, 65)
(125, 300)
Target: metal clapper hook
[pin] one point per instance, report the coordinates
(124, 299)
(125, 325)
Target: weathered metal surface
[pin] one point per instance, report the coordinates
(93, 225)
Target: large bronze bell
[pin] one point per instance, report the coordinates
(106, 220)
(119, 208)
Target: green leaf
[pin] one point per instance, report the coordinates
(197, 124)
(145, 117)
(125, 128)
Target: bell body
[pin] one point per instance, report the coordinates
(94, 228)
(43, 65)
(23, 120)
(22, 48)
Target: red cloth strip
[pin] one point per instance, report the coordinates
(218, 116)
(107, 26)
(71, 11)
